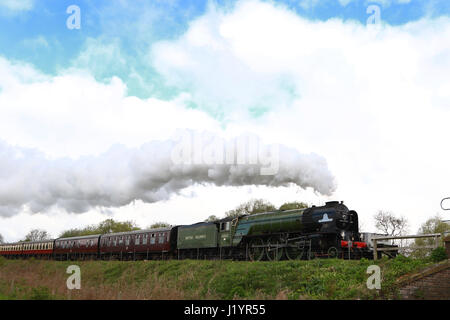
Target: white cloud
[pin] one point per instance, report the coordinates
(73, 115)
(384, 3)
(17, 5)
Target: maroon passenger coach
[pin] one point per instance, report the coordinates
(141, 244)
(79, 248)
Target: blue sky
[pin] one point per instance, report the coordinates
(37, 33)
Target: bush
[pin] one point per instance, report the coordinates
(40, 293)
(438, 254)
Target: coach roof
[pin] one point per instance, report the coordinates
(79, 237)
(137, 232)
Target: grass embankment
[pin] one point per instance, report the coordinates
(190, 279)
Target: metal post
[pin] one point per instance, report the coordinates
(246, 252)
(350, 244)
(375, 254)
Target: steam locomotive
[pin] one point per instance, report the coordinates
(324, 231)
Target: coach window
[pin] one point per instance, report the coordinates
(152, 239)
(127, 240)
(138, 239)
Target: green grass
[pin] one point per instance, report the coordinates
(191, 279)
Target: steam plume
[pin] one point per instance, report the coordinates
(155, 171)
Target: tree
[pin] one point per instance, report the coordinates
(111, 226)
(212, 218)
(389, 224)
(73, 233)
(251, 207)
(157, 225)
(37, 235)
(293, 205)
(106, 226)
(433, 225)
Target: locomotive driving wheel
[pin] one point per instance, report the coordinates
(274, 249)
(332, 252)
(256, 249)
(293, 252)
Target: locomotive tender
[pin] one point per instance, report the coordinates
(325, 231)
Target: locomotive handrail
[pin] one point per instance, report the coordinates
(442, 201)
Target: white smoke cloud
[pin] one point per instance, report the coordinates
(148, 173)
